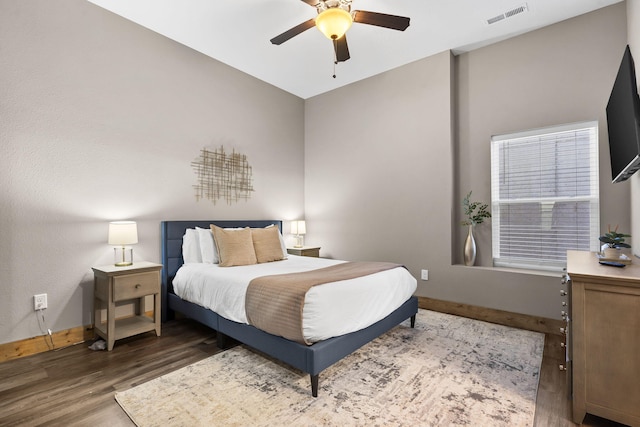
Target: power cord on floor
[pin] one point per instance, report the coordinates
(43, 328)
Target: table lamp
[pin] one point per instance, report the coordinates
(299, 229)
(121, 234)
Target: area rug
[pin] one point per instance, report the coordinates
(447, 371)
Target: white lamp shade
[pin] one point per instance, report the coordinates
(123, 233)
(298, 227)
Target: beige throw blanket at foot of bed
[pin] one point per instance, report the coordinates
(274, 303)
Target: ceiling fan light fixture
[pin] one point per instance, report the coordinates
(334, 22)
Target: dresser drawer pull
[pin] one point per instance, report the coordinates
(563, 292)
(138, 286)
(562, 367)
(563, 345)
(563, 331)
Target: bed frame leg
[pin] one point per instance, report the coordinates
(221, 340)
(314, 385)
(167, 315)
(413, 321)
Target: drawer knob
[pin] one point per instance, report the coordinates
(562, 367)
(563, 292)
(138, 286)
(563, 331)
(563, 345)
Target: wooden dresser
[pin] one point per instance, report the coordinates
(605, 338)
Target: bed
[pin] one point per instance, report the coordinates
(311, 359)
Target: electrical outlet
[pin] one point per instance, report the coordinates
(424, 275)
(40, 302)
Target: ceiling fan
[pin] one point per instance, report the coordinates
(334, 19)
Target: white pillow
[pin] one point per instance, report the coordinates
(191, 247)
(208, 250)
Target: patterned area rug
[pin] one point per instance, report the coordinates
(447, 371)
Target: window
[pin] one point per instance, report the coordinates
(544, 195)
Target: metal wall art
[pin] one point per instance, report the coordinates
(222, 175)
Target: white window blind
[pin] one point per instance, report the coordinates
(544, 195)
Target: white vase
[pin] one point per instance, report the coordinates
(470, 248)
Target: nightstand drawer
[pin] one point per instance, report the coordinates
(135, 285)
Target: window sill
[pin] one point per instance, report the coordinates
(530, 272)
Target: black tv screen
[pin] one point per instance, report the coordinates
(623, 121)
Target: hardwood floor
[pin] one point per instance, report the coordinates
(553, 404)
(75, 386)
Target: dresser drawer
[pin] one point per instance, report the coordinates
(135, 285)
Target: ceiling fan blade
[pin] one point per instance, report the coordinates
(341, 48)
(393, 22)
(313, 3)
(294, 31)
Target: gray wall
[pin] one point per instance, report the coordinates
(378, 176)
(385, 172)
(560, 74)
(100, 120)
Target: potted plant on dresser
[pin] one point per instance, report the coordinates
(476, 212)
(613, 242)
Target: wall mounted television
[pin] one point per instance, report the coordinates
(623, 121)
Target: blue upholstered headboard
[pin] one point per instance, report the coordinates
(171, 233)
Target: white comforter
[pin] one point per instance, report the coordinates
(330, 310)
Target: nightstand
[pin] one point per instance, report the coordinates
(113, 285)
(313, 251)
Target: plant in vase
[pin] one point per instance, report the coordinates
(612, 242)
(475, 213)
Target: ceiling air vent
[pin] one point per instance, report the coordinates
(508, 14)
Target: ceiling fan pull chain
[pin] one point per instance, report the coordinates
(335, 56)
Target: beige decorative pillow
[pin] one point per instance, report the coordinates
(266, 243)
(235, 247)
